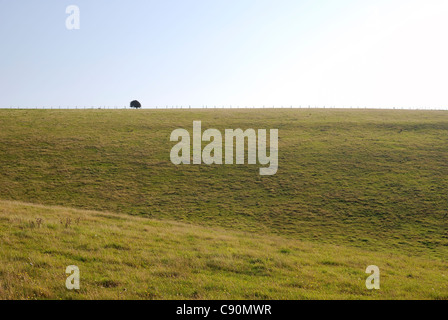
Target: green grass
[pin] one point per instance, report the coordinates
(367, 180)
(125, 257)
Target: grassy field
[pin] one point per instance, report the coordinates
(354, 188)
(125, 257)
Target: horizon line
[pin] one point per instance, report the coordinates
(219, 107)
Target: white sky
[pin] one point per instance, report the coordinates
(344, 53)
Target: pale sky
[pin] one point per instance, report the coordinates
(343, 53)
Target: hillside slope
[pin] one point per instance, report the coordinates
(375, 179)
(125, 257)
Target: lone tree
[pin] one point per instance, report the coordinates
(135, 104)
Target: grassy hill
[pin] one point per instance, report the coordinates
(367, 180)
(125, 257)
